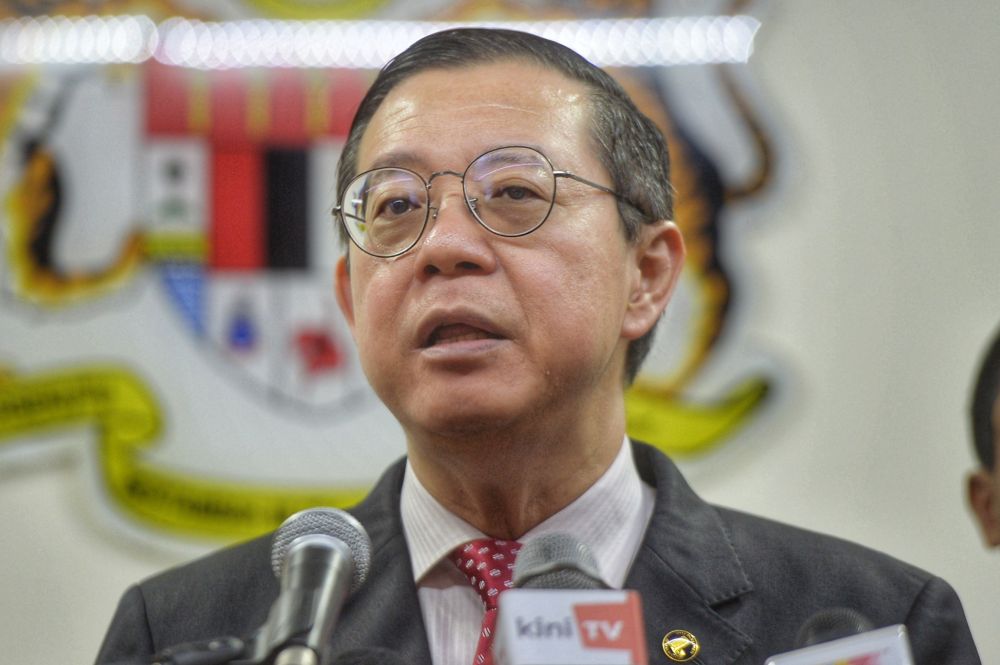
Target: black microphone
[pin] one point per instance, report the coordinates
(831, 624)
(321, 556)
(561, 612)
(839, 635)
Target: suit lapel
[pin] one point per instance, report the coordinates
(385, 612)
(686, 568)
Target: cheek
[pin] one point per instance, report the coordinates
(584, 293)
(375, 307)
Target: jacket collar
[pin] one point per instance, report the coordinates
(385, 612)
(687, 569)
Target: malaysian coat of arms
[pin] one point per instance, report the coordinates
(166, 293)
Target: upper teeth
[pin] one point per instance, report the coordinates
(463, 337)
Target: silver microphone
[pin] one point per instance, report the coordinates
(321, 556)
(556, 561)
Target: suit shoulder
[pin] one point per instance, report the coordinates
(787, 545)
(798, 572)
(227, 592)
(236, 561)
(834, 569)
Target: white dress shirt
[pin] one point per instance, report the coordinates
(610, 518)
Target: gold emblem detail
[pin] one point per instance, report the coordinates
(680, 646)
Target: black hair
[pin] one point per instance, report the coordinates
(985, 392)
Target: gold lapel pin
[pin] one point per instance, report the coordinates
(680, 646)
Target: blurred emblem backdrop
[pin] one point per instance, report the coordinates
(168, 252)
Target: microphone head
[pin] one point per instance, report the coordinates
(329, 522)
(556, 561)
(831, 624)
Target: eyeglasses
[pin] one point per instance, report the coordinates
(510, 191)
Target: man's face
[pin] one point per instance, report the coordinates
(470, 332)
(984, 490)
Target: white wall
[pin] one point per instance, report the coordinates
(879, 279)
(875, 279)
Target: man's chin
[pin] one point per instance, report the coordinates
(464, 419)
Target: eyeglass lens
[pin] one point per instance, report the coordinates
(509, 190)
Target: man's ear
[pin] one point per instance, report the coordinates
(985, 505)
(342, 284)
(659, 257)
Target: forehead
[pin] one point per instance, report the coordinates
(445, 116)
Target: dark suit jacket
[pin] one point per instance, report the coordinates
(741, 584)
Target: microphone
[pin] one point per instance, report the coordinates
(832, 624)
(556, 561)
(320, 555)
(561, 612)
(840, 635)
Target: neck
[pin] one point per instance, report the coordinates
(504, 483)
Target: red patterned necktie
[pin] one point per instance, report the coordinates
(489, 565)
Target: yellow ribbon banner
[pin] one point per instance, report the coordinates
(679, 428)
(126, 418)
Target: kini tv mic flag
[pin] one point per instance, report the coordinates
(567, 616)
(556, 627)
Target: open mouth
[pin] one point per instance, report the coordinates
(457, 332)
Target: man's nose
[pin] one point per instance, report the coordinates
(454, 242)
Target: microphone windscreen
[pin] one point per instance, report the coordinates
(328, 522)
(832, 624)
(556, 561)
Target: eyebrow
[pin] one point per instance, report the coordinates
(413, 161)
(495, 163)
(399, 158)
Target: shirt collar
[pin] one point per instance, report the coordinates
(609, 518)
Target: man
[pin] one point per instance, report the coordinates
(510, 254)
(984, 483)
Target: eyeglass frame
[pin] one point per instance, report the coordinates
(338, 210)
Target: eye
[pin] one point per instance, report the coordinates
(512, 192)
(393, 205)
(515, 192)
(397, 206)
